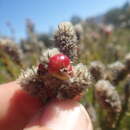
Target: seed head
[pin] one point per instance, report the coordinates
(97, 70)
(116, 72)
(66, 40)
(44, 84)
(13, 50)
(29, 80)
(107, 96)
(76, 85)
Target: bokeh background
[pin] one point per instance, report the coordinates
(27, 28)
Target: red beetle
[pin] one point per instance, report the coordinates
(60, 66)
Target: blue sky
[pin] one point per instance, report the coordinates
(47, 14)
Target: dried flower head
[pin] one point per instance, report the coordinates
(116, 72)
(77, 84)
(107, 96)
(82, 74)
(28, 79)
(97, 70)
(46, 84)
(13, 50)
(66, 40)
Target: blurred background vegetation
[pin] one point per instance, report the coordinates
(104, 38)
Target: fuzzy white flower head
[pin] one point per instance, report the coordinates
(107, 96)
(103, 85)
(66, 39)
(65, 35)
(65, 27)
